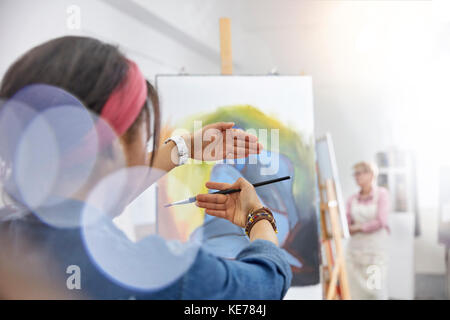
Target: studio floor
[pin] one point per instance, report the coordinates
(430, 287)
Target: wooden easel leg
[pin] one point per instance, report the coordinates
(333, 281)
(337, 236)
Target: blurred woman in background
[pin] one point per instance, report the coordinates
(367, 215)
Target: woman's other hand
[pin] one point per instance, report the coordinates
(233, 207)
(219, 141)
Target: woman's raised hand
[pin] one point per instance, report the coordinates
(219, 141)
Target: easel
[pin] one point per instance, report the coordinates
(335, 281)
(335, 265)
(225, 46)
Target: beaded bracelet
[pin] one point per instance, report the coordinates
(257, 215)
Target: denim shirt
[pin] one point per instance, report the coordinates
(259, 271)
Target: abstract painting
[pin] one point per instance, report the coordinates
(279, 110)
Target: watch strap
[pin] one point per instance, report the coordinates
(183, 151)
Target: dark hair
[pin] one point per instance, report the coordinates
(85, 67)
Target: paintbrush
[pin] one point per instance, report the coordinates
(228, 191)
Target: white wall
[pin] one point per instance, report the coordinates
(24, 24)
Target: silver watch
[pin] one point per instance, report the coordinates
(183, 152)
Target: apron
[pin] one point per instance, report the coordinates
(367, 255)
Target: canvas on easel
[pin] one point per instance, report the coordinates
(327, 166)
(279, 110)
(333, 223)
